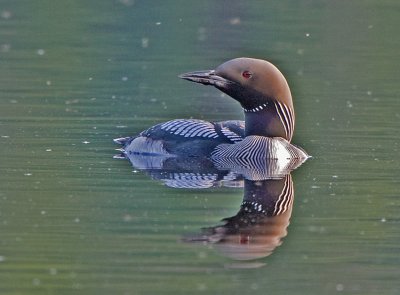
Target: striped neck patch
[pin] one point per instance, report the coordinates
(286, 116)
(256, 109)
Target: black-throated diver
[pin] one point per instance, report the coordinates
(264, 94)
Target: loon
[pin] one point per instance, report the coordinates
(265, 97)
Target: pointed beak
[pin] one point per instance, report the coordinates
(206, 77)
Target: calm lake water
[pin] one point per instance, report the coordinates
(75, 74)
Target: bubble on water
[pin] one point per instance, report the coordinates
(40, 51)
(2, 258)
(124, 78)
(201, 287)
(201, 34)
(53, 271)
(339, 287)
(127, 217)
(5, 48)
(349, 104)
(145, 42)
(6, 14)
(254, 286)
(127, 2)
(72, 101)
(202, 255)
(48, 82)
(36, 282)
(235, 21)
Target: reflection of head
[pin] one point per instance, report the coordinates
(261, 223)
(255, 240)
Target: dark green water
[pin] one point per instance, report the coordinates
(75, 74)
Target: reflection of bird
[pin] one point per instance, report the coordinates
(265, 96)
(202, 173)
(259, 226)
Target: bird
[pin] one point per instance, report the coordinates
(265, 96)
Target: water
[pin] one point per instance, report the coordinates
(76, 74)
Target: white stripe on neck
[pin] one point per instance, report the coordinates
(256, 109)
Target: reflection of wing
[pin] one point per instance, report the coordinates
(190, 180)
(198, 180)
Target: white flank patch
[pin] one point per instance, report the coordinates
(144, 145)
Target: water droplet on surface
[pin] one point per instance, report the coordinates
(40, 51)
(127, 2)
(145, 42)
(5, 47)
(339, 287)
(127, 217)
(6, 14)
(234, 21)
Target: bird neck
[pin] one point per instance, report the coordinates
(265, 122)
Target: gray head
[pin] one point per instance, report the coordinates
(260, 88)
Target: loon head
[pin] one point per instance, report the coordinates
(260, 88)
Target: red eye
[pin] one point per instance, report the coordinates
(247, 74)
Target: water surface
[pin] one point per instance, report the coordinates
(76, 74)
